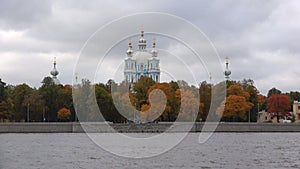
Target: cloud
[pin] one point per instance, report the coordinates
(18, 14)
(260, 37)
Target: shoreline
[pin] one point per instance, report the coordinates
(102, 127)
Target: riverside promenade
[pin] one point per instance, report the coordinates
(103, 127)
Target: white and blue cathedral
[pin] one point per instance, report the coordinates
(141, 62)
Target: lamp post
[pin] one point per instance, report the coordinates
(257, 115)
(44, 114)
(28, 112)
(249, 116)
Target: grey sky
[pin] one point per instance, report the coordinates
(260, 37)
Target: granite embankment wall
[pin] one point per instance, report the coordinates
(150, 127)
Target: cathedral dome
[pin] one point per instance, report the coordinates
(141, 62)
(142, 57)
(227, 72)
(54, 72)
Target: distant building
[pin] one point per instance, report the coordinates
(296, 110)
(141, 62)
(54, 72)
(264, 117)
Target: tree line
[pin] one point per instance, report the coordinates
(52, 102)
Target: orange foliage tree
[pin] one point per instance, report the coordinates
(64, 114)
(236, 104)
(190, 105)
(237, 90)
(158, 108)
(261, 100)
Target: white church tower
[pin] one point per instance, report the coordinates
(54, 72)
(141, 62)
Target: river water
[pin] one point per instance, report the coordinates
(222, 150)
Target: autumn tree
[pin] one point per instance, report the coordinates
(236, 104)
(159, 93)
(237, 90)
(236, 107)
(156, 108)
(64, 114)
(190, 104)
(278, 104)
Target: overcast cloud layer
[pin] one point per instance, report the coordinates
(261, 38)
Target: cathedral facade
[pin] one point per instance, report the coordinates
(141, 62)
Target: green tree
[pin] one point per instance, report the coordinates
(106, 104)
(2, 91)
(140, 90)
(293, 96)
(246, 83)
(35, 103)
(19, 94)
(83, 100)
(262, 102)
(205, 91)
(49, 91)
(64, 99)
(253, 93)
(9, 90)
(4, 111)
(273, 91)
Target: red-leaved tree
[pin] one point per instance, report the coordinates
(278, 104)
